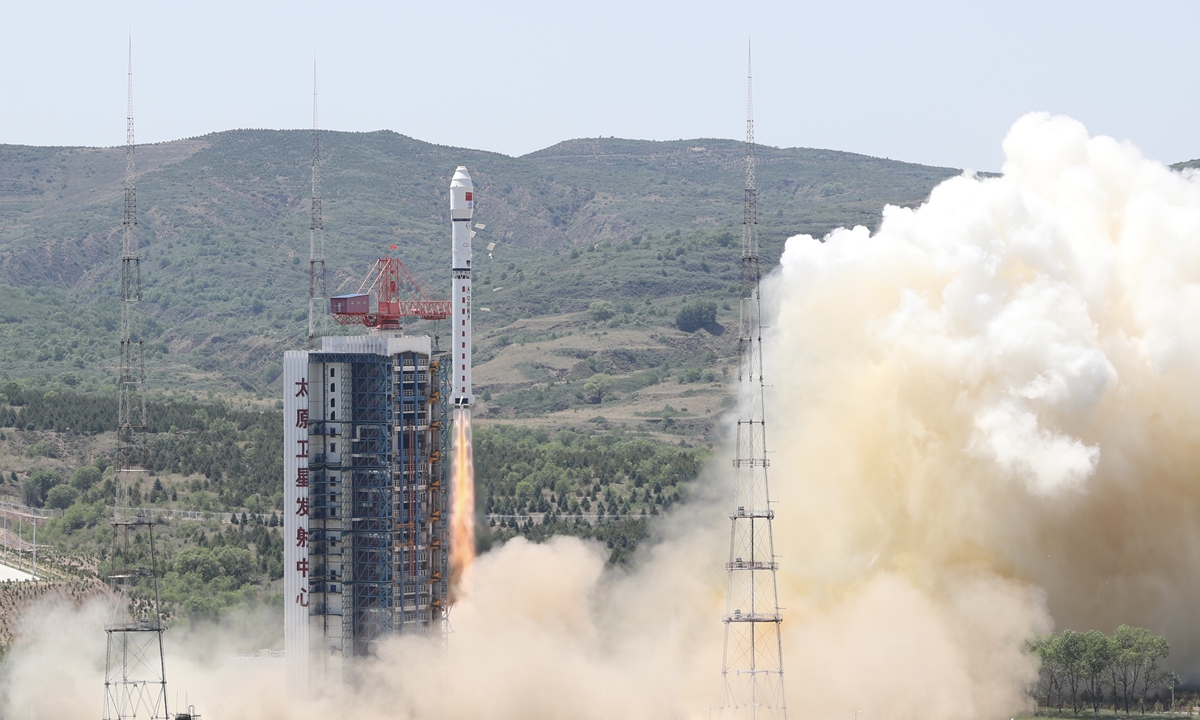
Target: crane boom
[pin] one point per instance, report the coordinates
(396, 293)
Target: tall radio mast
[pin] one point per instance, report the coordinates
(131, 420)
(135, 675)
(317, 292)
(752, 657)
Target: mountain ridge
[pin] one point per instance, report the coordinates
(224, 223)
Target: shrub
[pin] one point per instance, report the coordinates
(695, 315)
(597, 387)
(601, 310)
(42, 449)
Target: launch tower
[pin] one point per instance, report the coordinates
(366, 464)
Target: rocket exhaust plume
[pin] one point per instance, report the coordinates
(462, 516)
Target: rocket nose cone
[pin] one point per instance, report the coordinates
(462, 178)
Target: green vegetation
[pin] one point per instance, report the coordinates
(224, 233)
(1093, 670)
(695, 315)
(207, 568)
(214, 457)
(619, 477)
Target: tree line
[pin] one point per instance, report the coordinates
(238, 451)
(1092, 670)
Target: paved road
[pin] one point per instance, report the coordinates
(8, 573)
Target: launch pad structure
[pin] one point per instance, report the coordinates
(367, 448)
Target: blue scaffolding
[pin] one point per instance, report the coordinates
(383, 498)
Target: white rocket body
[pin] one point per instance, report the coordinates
(462, 206)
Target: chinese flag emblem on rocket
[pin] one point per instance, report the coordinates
(468, 197)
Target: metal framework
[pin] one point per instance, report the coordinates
(135, 675)
(135, 682)
(318, 293)
(382, 497)
(752, 656)
(398, 293)
(131, 420)
(439, 493)
(368, 580)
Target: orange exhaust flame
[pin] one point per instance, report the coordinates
(462, 517)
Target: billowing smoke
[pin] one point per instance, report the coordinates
(984, 424)
(986, 415)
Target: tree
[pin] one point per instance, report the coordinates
(61, 497)
(1136, 652)
(1050, 683)
(235, 563)
(695, 315)
(85, 477)
(158, 493)
(1097, 657)
(597, 386)
(601, 310)
(1070, 648)
(37, 485)
(198, 560)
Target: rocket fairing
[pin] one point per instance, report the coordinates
(462, 205)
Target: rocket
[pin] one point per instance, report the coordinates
(462, 206)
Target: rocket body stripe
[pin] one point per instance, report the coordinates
(462, 207)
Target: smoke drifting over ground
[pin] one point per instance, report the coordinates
(984, 419)
(991, 419)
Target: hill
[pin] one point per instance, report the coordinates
(224, 236)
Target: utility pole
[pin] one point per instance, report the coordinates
(752, 656)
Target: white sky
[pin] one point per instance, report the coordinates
(929, 82)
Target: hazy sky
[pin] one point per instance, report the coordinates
(929, 82)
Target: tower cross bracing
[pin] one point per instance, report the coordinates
(752, 654)
(135, 678)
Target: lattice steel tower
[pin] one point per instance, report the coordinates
(135, 682)
(317, 291)
(752, 657)
(131, 420)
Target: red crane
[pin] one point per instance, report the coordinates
(388, 281)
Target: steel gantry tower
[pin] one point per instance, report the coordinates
(135, 681)
(752, 657)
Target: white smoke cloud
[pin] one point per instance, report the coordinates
(993, 397)
(984, 423)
